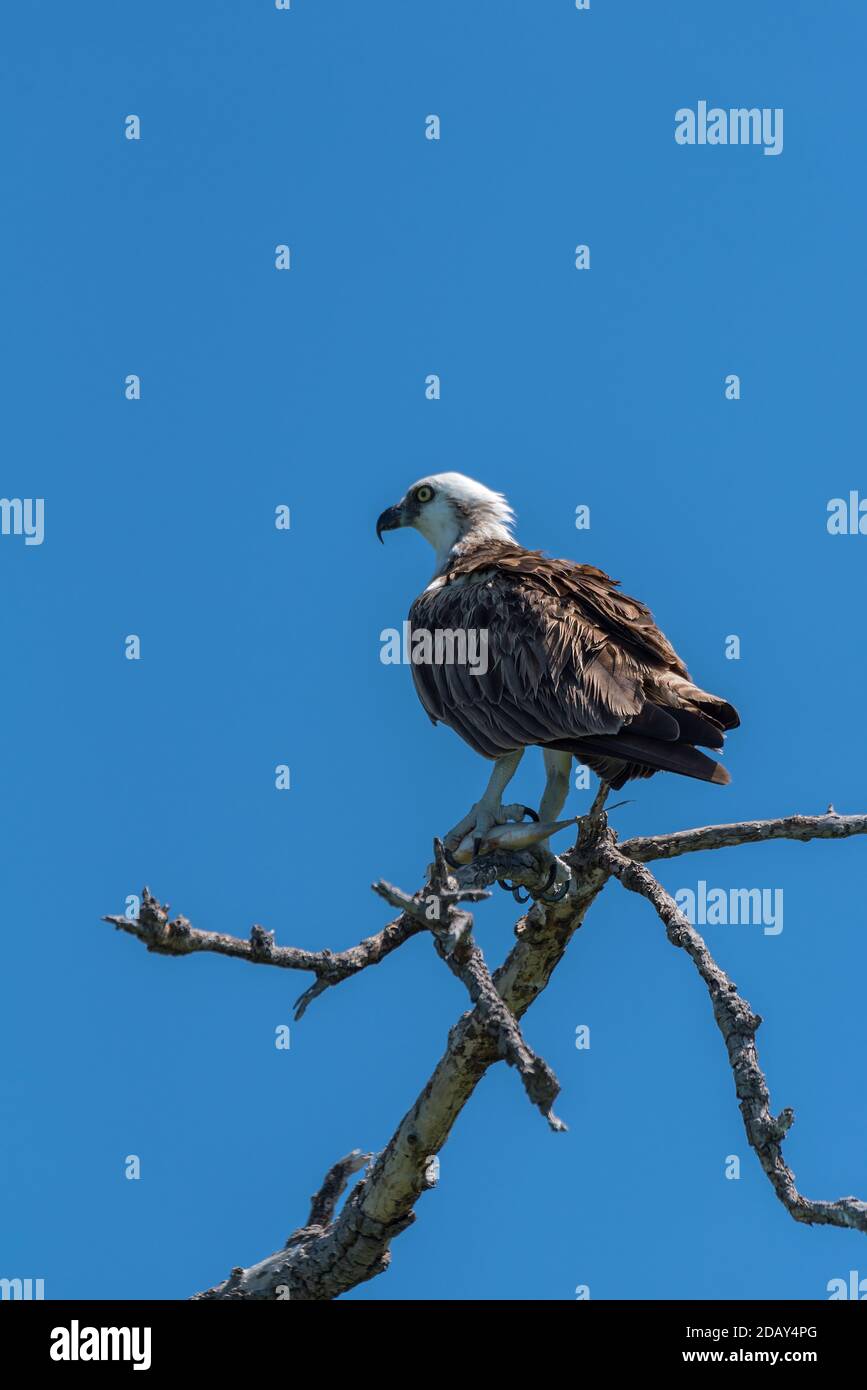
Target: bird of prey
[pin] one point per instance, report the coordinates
(572, 666)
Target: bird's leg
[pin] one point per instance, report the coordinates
(490, 810)
(558, 768)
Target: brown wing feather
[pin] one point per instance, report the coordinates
(569, 657)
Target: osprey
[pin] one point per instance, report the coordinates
(572, 666)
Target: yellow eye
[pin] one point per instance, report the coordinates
(424, 494)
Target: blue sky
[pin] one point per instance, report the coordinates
(261, 647)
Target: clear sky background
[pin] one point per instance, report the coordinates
(261, 647)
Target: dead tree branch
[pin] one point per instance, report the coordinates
(335, 1251)
(323, 1204)
(437, 908)
(738, 1025)
(356, 1246)
(644, 848)
(177, 937)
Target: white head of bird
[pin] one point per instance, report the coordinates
(448, 509)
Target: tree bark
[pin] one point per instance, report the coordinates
(337, 1250)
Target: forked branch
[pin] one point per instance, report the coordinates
(337, 1250)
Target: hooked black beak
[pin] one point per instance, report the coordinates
(391, 520)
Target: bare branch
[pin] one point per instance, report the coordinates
(335, 1252)
(336, 966)
(540, 1082)
(177, 937)
(644, 848)
(738, 1025)
(323, 1203)
(594, 815)
(437, 908)
(355, 1247)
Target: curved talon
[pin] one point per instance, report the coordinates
(510, 888)
(450, 859)
(528, 811)
(555, 897)
(543, 896)
(550, 880)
